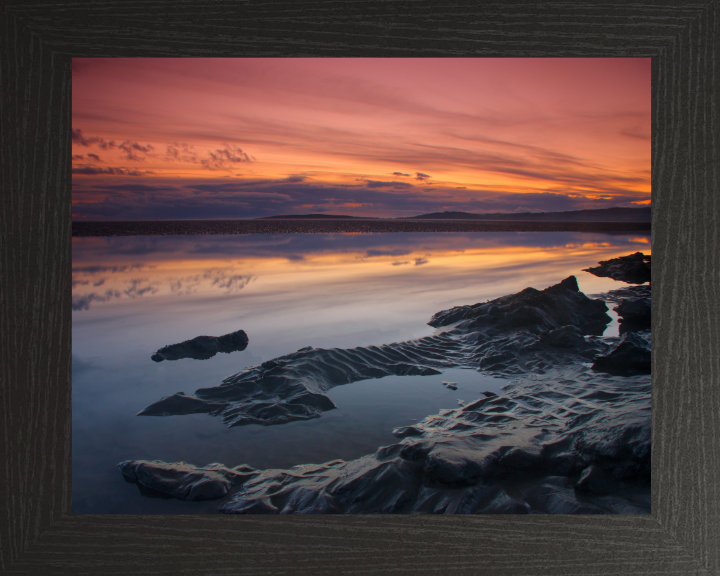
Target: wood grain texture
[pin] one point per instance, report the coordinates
(38, 534)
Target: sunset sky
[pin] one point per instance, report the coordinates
(244, 138)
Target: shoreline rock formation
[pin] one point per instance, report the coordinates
(632, 269)
(630, 356)
(203, 347)
(570, 434)
(569, 441)
(633, 307)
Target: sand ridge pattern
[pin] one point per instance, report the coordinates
(529, 331)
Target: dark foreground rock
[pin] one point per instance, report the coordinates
(633, 269)
(635, 315)
(630, 356)
(203, 347)
(533, 310)
(184, 481)
(633, 307)
(533, 330)
(569, 441)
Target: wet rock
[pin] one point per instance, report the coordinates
(633, 307)
(405, 431)
(564, 337)
(642, 292)
(534, 310)
(293, 387)
(630, 356)
(203, 347)
(594, 481)
(635, 315)
(185, 481)
(632, 269)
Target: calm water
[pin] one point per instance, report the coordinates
(133, 295)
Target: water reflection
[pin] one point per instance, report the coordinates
(134, 295)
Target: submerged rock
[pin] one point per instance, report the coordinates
(533, 330)
(630, 356)
(632, 269)
(203, 347)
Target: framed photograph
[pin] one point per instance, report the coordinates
(293, 322)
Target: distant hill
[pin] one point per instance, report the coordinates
(312, 217)
(601, 215)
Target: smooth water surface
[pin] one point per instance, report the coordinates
(134, 295)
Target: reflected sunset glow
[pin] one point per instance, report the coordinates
(371, 276)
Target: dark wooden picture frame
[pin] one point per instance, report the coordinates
(38, 533)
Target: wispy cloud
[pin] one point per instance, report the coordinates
(224, 278)
(109, 170)
(131, 150)
(83, 301)
(225, 158)
(181, 152)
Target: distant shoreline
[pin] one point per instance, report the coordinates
(340, 226)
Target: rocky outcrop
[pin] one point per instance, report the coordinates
(203, 347)
(630, 356)
(633, 307)
(530, 331)
(184, 481)
(569, 441)
(632, 269)
(533, 310)
(635, 315)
